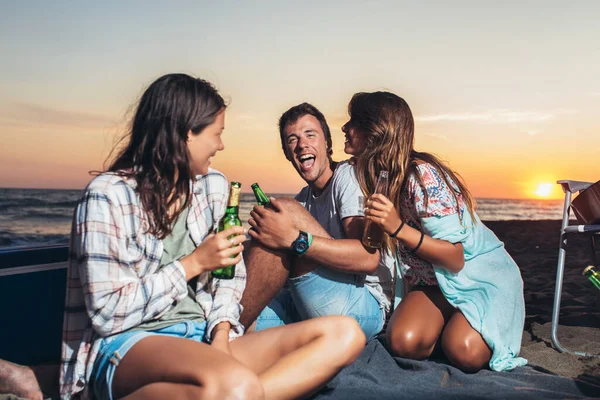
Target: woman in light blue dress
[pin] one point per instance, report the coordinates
(466, 292)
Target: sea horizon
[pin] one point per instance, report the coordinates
(246, 191)
(38, 217)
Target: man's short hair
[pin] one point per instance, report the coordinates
(294, 114)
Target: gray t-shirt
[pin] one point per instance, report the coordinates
(342, 198)
(177, 245)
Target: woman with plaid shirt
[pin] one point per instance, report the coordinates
(144, 318)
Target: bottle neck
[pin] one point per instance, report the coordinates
(234, 198)
(262, 200)
(382, 183)
(261, 197)
(232, 210)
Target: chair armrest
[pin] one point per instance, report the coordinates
(573, 186)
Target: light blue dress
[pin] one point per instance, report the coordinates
(489, 289)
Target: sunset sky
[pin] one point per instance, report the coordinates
(507, 92)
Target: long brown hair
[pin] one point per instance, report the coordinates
(155, 153)
(386, 123)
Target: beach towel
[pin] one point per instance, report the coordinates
(378, 375)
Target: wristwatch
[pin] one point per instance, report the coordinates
(301, 244)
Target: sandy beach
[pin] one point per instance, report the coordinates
(534, 246)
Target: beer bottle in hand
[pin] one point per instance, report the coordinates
(230, 219)
(373, 234)
(261, 197)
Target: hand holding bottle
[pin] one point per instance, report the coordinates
(273, 227)
(381, 211)
(261, 197)
(373, 234)
(230, 219)
(216, 251)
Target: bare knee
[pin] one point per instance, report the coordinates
(407, 342)
(296, 210)
(232, 382)
(301, 217)
(345, 336)
(290, 204)
(466, 354)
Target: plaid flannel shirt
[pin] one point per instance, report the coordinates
(113, 281)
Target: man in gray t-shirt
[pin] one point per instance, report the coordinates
(311, 247)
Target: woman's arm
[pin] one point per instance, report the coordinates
(222, 296)
(276, 228)
(440, 253)
(226, 296)
(220, 337)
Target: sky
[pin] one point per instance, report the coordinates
(508, 93)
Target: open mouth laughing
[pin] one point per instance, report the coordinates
(306, 161)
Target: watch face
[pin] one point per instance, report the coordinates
(301, 245)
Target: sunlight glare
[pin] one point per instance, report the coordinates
(544, 189)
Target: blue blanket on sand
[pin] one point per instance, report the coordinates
(378, 375)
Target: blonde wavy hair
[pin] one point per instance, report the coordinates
(385, 122)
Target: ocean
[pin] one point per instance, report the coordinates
(38, 217)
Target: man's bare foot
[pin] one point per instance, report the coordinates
(19, 380)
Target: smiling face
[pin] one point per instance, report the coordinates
(306, 148)
(355, 140)
(204, 146)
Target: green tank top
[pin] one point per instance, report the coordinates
(177, 245)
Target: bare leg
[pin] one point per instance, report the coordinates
(294, 360)
(48, 376)
(19, 380)
(168, 390)
(267, 270)
(266, 273)
(463, 345)
(417, 323)
(184, 369)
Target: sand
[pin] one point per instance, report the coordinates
(534, 246)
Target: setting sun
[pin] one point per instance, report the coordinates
(544, 189)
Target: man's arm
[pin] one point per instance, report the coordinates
(277, 228)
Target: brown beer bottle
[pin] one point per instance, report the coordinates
(373, 234)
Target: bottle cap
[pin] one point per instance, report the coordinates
(588, 268)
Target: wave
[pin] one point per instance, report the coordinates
(9, 240)
(34, 202)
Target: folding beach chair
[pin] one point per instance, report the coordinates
(592, 230)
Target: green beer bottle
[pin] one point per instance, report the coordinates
(261, 197)
(230, 219)
(593, 275)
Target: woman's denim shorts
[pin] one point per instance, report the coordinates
(113, 349)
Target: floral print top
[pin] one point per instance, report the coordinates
(440, 203)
